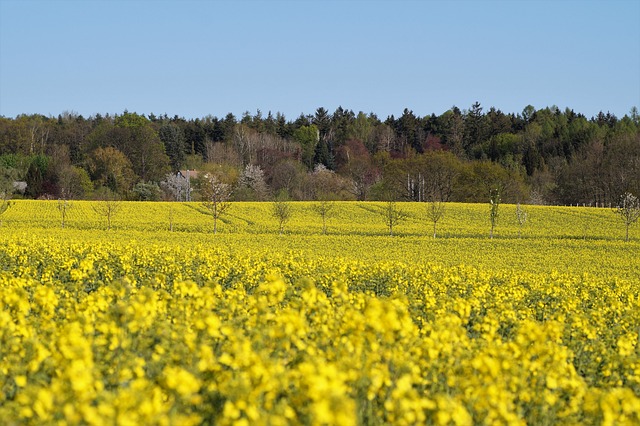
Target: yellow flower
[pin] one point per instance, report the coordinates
(21, 381)
(182, 381)
(43, 404)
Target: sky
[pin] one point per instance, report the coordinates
(195, 58)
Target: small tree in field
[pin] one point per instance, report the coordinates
(281, 210)
(6, 189)
(494, 204)
(107, 205)
(63, 207)
(435, 211)
(521, 217)
(324, 207)
(629, 211)
(215, 198)
(5, 203)
(171, 218)
(392, 215)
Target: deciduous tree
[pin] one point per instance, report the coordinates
(494, 205)
(435, 210)
(5, 201)
(175, 186)
(110, 168)
(108, 204)
(281, 210)
(308, 138)
(215, 198)
(629, 211)
(63, 207)
(521, 218)
(252, 185)
(392, 215)
(324, 208)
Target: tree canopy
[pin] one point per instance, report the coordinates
(541, 156)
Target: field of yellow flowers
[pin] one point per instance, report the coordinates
(160, 321)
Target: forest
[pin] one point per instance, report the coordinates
(544, 156)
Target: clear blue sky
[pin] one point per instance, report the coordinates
(194, 58)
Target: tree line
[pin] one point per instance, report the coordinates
(545, 156)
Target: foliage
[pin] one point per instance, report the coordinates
(559, 156)
(307, 137)
(74, 182)
(146, 191)
(110, 168)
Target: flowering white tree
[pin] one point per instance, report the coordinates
(252, 178)
(176, 185)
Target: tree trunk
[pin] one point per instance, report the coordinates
(626, 239)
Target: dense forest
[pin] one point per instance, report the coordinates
(544, 156)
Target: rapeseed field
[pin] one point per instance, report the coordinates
(159, 321)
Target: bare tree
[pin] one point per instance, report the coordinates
(323, 207)
(392, 214)
(629, 211)
(171, 217)
(215, 198)
(494, 202)
(39, 132)
(7, 177)
(435, 211)
(63, 207)
(281, 210)
(521, 217)
(222, 153)
(5, 203)
(108, 205)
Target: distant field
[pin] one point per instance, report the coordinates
(347, 218)
(141, 324)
